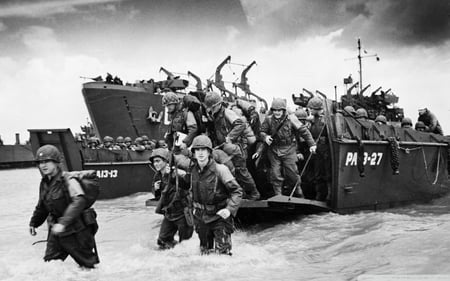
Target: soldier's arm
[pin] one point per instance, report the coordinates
(237, 123)
(233, 187)
(40, 214)
(306, 135)
(77, 205)
(191, 125)
(433, 121)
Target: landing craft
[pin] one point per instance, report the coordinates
(373, 166)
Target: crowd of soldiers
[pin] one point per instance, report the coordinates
(139, 144)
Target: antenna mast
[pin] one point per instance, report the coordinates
(360, 66)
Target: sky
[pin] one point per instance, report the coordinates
(47, 45)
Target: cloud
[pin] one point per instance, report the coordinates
(402, 22)
(41, 40)
(46, 8)
(3, 27)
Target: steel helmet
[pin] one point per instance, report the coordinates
(48, 152)
(108, 139)
(138, 140)
(170, 98)
(301, 113)
(201, 141)
(361, 112)
(212, 99)
(92, 140)
(406, 121)
(119, 139)
(162, 153)
(350, 109)
(278, 103)
(315, 103)
(381, 119)
(144, 138)
(420, 125)
(127, 139)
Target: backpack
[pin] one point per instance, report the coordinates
(194, 105)
(88, 180)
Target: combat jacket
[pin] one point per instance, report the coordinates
(284, 138)
(172, 201)
(183, 121)
(60, 204)
(430, 120)
(213, 189)
(228, 124)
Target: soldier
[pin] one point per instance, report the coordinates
(119, 143)
(279, 131)
(381, 120)
(216, 197)
(62, 203)
(181, 120)
(430, 121)
(108, 143)
(137, 146)
(406, 123)
(146, 143)
(92, 143)
(349, 111)
(319, 172)
(420, 126)
(127, 142)
(172, 203)
(230, 134)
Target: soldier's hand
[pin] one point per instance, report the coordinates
(227, 140)
(181, 172)
(268, 140)
(183, 146)
(255, 155)
(157, 185)
(32, 230)
(312, 149)
(167, 169)
(224, 213)
(300, 157)
(57, 228)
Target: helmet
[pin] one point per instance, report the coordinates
(315, 103)
(201, 141)
(278, 104)
(301, 113)
(406, 121)
(350, 109)
(170, 98)
(127, 139)
(119, 139)
(48, 152)
(144, 138)
(211, 99)
(108, 139)
(138, 140)
(161, 153)
(381, 119)
(361, 112)
(420, 125)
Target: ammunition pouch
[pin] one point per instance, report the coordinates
(89, 217)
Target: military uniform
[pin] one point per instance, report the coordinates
(282, 153)
(64, 203)
(431, 122)
(229, 126)
(214, 188)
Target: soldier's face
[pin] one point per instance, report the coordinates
(201, 154)
(171, 108)
(159, 163)
(277, 113)
(48, 167)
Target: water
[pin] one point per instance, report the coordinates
(412, 241)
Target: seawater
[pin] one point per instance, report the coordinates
(412, 241)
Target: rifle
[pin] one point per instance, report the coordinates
(265, 146)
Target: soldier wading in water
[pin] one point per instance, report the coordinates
(172, 202)
(216, 197)
(62, 203)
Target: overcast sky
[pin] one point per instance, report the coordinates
(46, 45)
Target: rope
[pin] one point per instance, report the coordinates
(426, 165)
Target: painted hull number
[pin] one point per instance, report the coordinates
(107, 173)
(373, 159)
